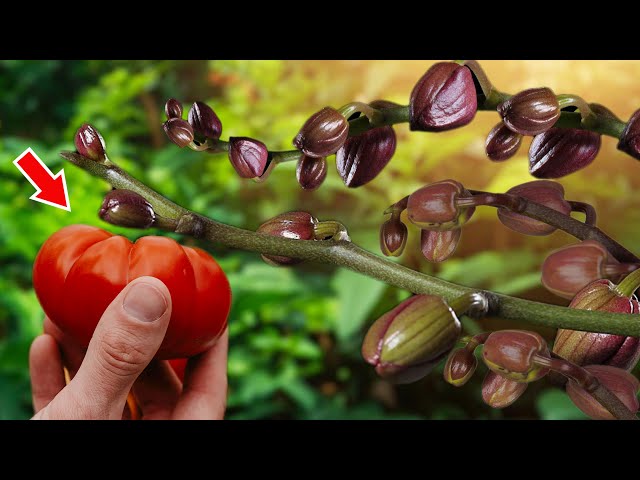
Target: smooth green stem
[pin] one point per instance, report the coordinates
(630, 284)
(348, 255)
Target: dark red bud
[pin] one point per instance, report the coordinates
(438, 246)
(545, 192)
(630, 138)
(179, 131)
(205, 121)
(363, 157)
(173, 108)
(323, 133)
(619, 382)
(502, 143)
(531, 111)
(89, 143)
(311, 172)
(433, 207)
(562, 151)
(444, 98)
(393, 237)
(248, 156)
(500, 392)
(126, 208)
(295, 225)
(460, 366)
(511, 353)
(569, 269)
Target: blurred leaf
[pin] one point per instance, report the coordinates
(357, 295)
(554, 404)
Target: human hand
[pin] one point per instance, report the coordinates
(119, 358)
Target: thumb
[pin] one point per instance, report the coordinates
(124, 342)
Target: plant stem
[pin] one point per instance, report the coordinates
(346, 254)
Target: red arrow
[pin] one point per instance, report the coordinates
(50, 189)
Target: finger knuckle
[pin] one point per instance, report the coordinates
(120, 354)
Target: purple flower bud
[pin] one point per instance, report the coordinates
(393, 237)
(500, 392)
(205, 121)
(407, 342)
(630, 138)
(569, 269)
(126, 208)
(433, 207)
(545, 192)
(89, 143)
(562, 151)
(531, 111)
(363, 157)
(296, 225)
(438, 246)
(502, 143)
(173, 108)
(619, 382)
(323, 133)
(248, 156)
(179, 131)
(444, 98)
(584, 348)
(460, 367)
(511, 353)
(311, 172)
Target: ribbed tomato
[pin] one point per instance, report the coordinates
(80, 269)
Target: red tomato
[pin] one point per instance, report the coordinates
(179, 366)
(80, 269)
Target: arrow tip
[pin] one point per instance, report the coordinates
(54, 193)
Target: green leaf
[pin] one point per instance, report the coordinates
(357, 295)
(554, 404)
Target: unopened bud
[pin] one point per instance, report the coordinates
(433, 207)
(89, 143)
(500, 392)
(512, 354)
(460, 367)
(438, 246)
(561, 151)
(545, 192)
(531, 111)
(179, 131)
(295, 225)
(173, 108)
(502, 143)
(205, 121)
(248, 156)
(444, 98)
(393, 237)
(630, 138)
(311, 172)
(126, 208)
(323, 133)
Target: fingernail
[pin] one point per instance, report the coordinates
(145, 302)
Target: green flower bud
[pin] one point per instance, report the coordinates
(408, 341)
(126, 208)
(619, 382)
(460, 367)
(434, 207)
(500, 392)
(511, 353)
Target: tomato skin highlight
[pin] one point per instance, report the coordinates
(80, 269)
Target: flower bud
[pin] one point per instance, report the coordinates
(205, 121)
(407, 342)
(569, 269)
(311, 172)
(179, 131)
(444, 98)
(500, 392)
(363, 157)
(173, 108)
(248, 156)
(511, 353)
(619, 382)
(561, 151)
(126, 208)
(630, 138)
(502, 143)
(585, 348)
(89, 143)
(433, 207)
(460, 367)
(545, 192)
(438, 246)
(296, 225)
(323, 133)
(393, 237)
(531, 111)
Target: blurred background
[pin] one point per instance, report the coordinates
(296, 333)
